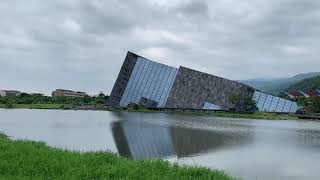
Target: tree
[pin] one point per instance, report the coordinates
(3, 100)
(87, 99)
(99, 100)
(310, 103)
(244, 104)
(316, 104)
(303, 101)
(9, 104)
(25, 98)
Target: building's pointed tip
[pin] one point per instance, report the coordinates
(130, 53)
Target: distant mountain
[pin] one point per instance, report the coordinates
(274, 86)
(306, 84)
(300, 77)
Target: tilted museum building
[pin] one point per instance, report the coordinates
(145, 82)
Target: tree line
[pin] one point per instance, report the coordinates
(25, 98)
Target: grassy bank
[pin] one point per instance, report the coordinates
(35, 160)
(256, 115)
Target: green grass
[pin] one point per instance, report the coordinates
(35, 160)
(39, 106)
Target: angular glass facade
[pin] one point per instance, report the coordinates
(271, 103)
(152, 84)
(150, 80)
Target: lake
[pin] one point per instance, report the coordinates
(251, 149)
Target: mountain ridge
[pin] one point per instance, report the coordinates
(305, 85)
(275, 86)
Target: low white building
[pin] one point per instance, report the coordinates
(9, 93)
(2, 93)
(68, 93)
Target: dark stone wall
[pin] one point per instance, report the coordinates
(192, 88)
(123, 79)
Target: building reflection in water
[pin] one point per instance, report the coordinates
(144, 140)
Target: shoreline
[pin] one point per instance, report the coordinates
(22, 159)
(256, 115)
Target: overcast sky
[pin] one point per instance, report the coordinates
(81, 44)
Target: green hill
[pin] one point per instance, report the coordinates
(306, 84)
(274, 86)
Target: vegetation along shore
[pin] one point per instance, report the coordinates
(24, 159)
(26, 101)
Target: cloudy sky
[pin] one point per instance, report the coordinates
(81, 44)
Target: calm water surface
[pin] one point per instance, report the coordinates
(251, 149)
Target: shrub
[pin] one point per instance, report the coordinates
(243, 104)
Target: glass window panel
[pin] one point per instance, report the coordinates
(280, 105)
(136, 97)
(278, 102)
(287, 106)
(267, 103)
(294, 107)
(162, 84)
(124, 98)
(261, 101)
(125, 94)
(284, 106)
(131, 96)
(149, 79)
(291, 106)
(256, 96)
(172, 78)
(211, 106)
(274, 103)
(143, 80)
(139, 88)
(152, 80)
(157, 82)
(166, 86)
(270, 103)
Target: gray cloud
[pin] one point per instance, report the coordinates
(194, 8)
(81, 45)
